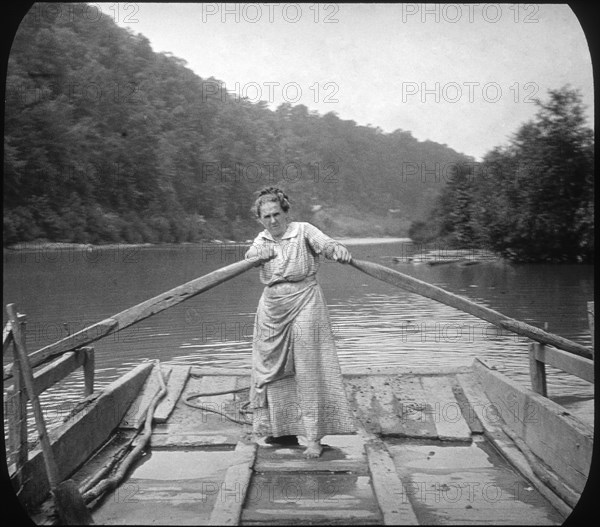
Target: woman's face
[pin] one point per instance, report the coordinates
(273, 218)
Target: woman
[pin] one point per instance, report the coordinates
(297, 387)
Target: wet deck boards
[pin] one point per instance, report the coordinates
(458, 483)
(419, 458)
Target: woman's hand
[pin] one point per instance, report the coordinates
(340, 253)
(261, 254)
(268, 253)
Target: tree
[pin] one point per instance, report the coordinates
(543, 195)
(531, 200)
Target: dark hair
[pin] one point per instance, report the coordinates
(271, 194)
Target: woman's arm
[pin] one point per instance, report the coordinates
(321, 243)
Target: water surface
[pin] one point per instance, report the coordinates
(374, 323)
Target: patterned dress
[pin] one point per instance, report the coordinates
(297, 386)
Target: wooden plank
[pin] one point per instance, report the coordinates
(385, 405)
(555, 436)
(447, 416)
(544, 472)
(467, 412)
(487, 413)
(310, 465)
(136, 415)
(175, 385)
(17, 417)
(137, 313)
(415, 409)
(181, 440)
(414, 285)
(464, 367)
(437, 477)
(590, 310)
(224, 372)
(57, 370)
(579, 366)
(310, 499)
(389, 490)
(491, 419)
(75, 440)
(76, 340)
(306, 497)
(361, 399)
(306, 516)
(232, 492)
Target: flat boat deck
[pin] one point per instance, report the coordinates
(422, 455)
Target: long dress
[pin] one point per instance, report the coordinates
(297, 386)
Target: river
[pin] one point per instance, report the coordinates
(65, 290)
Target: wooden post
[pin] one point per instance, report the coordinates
(88, 371)
(537, 369)
(17, 416)
(590, 310)
(27, 375)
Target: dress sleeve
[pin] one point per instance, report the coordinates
(319, 242)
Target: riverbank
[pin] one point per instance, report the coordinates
(45, 245)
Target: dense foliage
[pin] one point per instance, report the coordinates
(108, 141)
(532, 200)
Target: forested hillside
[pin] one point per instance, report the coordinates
(107, 141)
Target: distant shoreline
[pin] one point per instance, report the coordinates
(33, 246)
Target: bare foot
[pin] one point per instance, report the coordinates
(313, 450)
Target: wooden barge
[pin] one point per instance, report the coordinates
(171, 444)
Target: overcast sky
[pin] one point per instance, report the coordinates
(460, 74)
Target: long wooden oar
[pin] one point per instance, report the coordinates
(136, 313)
(414, 285)
(68, 501)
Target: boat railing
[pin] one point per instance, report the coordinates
(541, 355)
(73, 350)
(16, 397)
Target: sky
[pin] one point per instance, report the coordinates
(464, 75)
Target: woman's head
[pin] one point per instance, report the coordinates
(271, 195)
(271, 208)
